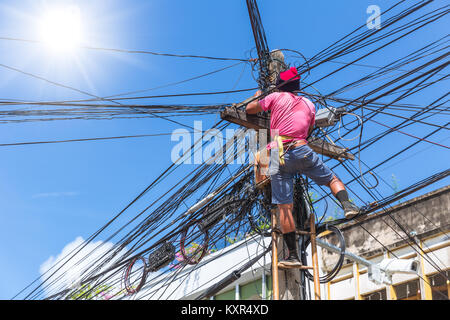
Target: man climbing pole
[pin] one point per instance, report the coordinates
(292, 120)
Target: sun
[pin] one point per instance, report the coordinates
(61, 28)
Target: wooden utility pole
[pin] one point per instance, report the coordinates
(286, 282)
(288, 279)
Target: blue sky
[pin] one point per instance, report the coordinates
(52, 194)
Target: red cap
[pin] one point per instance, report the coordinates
(290, 74)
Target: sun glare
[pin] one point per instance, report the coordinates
(61, 28)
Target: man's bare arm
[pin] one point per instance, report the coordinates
(254, 106)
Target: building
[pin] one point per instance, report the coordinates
(387, 234)
(383, 234)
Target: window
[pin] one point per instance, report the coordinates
(440, 285)
(408, 290)
(228, 295)
(377, 295)
(251, 291)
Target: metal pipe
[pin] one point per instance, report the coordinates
(349, 255)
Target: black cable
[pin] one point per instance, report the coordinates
(136, 51)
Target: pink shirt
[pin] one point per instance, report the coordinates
(292, 115)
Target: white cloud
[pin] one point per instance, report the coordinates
(64, 276)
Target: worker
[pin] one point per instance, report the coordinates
(291, 121)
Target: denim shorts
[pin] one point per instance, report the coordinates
(301, 160)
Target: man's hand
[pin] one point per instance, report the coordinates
(257, 93)
(254, 106)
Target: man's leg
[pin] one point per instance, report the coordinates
(282, 192)
(315, 169)
(286, 218)
(287, 225)
(338, 189)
